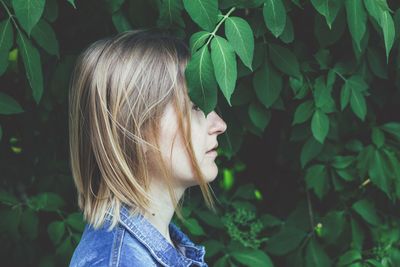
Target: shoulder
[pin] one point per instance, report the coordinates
(115, 248)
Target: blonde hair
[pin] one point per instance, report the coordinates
(119, 89)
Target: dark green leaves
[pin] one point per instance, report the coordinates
(367, 211)
(328, 8)
(45, 37)
(387, 25)
(28, 12)
(267, 85)
(356, 20)
(6, 42)
(353, 90)
(201, 80)
(274, 16)
(170, 13)
(285, 240)
(203, 12)
(259, 115)
(284, 60)
(224, 61)
(46, 201)
(315, 255)
(56, 231)
(252, 257)
(197, 40)
(240, 36)
(303, 112)
(320, 125)
(317, 179)
(8, 105)
(33, 67)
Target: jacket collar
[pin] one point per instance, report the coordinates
(157, 244)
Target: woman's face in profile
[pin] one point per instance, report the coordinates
(204, 137)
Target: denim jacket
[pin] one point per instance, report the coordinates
(135, 242)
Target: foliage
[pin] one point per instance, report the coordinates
(310, 172)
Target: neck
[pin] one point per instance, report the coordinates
(161, 209)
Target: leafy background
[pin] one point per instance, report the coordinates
(309, 165)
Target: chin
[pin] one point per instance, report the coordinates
(213, 173)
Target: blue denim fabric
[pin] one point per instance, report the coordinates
(135, 242)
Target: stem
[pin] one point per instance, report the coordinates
(219, 24)
(310, 212)
(11, 16)
(340, 75)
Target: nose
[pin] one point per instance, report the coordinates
(217, 125)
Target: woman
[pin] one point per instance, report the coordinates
(137, 143)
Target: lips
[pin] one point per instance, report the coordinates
(213, 148)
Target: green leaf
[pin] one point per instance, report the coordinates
(349, 257)
(332, 226)
(121, 23)
(356, 20)
(303, 112)
(267, 84)
(284, 60)
(203, 12)
(357, 234)
(375, 9)
(28, 13)
(72, 2)
(252, 257)
(29, 224)
(322, 96)
(358, 104)
(387, 25)
(240, 36)
(197, 40)
(213, 247)
(287, 35)
(201, 82)
(194, 227)
(378, 173)
(315, 255)
(377, 63)
(7, 198)
(378, 138)
(392, 128)
(170, 14)
(320, 125)
(274, 16)
(366, 210)
(310, 150)
(45, 37)
(224, 62)
(76, 221)
(328, 8)
(342, 162)
(317, 178)
(8, 105)
(33, 66)
(51, 10)
(6, 42)
(286, 240)
(259, 115)
(56, 231)
(114, 5)
(10, 220)
(46, 201)
(209, 218)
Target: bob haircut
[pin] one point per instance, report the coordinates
(119, 89)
